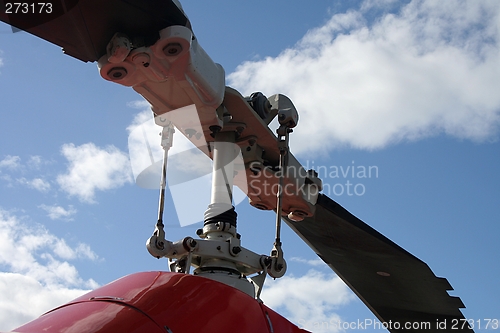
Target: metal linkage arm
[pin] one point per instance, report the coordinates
(157, 245)
(288, 119)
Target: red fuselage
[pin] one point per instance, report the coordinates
(162, 302)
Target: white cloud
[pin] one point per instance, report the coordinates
(369, 4)
(22, 247)
(35, 161)
(24, 298)
(13, 164)
(145, 149)
(144, 142)
(57, 212)
(140, 104)
(84, 251)
(92, 168)
(432, 68)
(35, 267)
(38, 184)
(314, 262)
(10, 162)
(307, 300)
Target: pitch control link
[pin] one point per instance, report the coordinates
(157, 245)
(288, 118)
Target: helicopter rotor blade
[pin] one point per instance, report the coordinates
(83, 28)
(395, 285)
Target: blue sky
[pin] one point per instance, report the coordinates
(411, 89)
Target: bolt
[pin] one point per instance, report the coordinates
(261, 206)
(172, 49)
(214, 129)
(117, 73)
(297, 215)
(300, 213)
(141, 59)
(236, 249)
(268, 261)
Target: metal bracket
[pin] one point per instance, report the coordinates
(245, 261)
(258, 283)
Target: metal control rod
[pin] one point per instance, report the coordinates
(167, 135)
(283, 147)
(156, 244)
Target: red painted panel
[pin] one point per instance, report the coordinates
(279, 323)
(105, 317)
(147, 302)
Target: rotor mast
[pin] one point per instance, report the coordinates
(218, 255)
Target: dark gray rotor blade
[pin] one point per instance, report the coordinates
(83, 28)
(395, 285)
